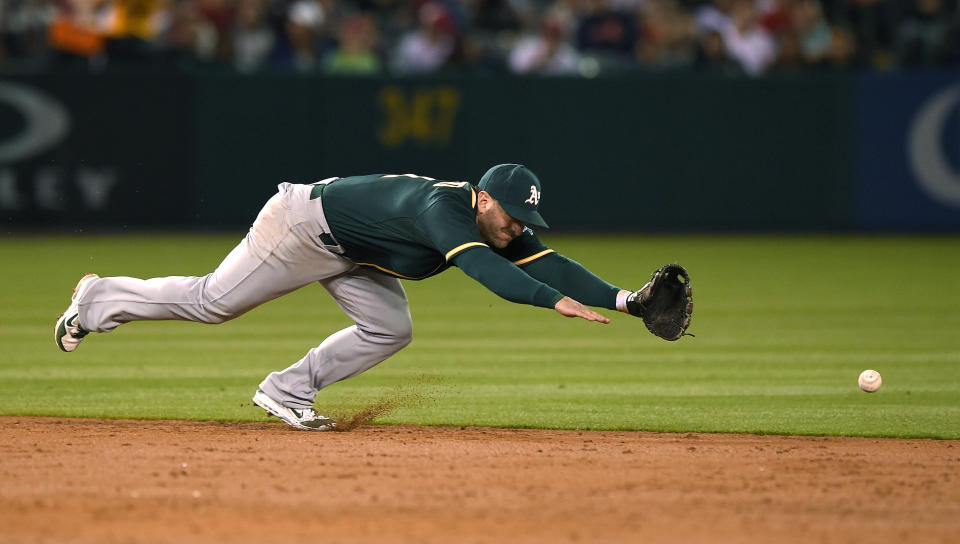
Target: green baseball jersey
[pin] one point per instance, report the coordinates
(414, 227)
(409, 226)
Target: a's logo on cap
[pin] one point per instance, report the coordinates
(534, 196)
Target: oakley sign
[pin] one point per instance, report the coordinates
(935, 174)
(46, 122)
(45, 125)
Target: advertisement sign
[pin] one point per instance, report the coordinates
(82, 151)
(823, 153)
(909, 175)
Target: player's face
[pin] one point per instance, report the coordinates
(496, 226)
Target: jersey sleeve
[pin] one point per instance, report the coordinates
(505, 279)
(574, 280)
(524, 249)
(563, 274)
(450, 226)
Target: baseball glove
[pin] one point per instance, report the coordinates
(665, 302)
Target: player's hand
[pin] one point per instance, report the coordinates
(571, 308)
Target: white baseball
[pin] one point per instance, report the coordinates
(870, 380)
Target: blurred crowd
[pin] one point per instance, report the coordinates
(546, 37)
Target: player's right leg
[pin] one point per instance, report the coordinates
(278, 255)
(382, 326)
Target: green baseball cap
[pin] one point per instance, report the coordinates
(517, 190)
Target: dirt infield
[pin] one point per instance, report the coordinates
(84, 480)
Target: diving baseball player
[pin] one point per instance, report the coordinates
(358, 236)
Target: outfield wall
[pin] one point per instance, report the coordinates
(642, 153)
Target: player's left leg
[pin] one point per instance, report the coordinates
(281, 253)
(378, 306)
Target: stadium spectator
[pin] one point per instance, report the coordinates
(76, 33)
(430, 46)
(133, 28)
(494, 28)
(842, 54)
(776, 16)
(220, 15)
(812, 30)
(711, 55)
(190, 36)
(922, 36)
(548, 53)
(253, 39)
(496, 16)
(668, 35)
(873, 22)
(744, 37)
(606, 33)
(309, 27)
(483, 36)
(23, 28)
(355, 53)
(790, 58)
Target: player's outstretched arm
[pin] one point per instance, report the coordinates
(561, 273)
(573, 279)
(571, 308)
(500, 276)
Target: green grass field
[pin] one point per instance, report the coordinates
(784, 326)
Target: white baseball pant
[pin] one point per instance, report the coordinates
(281, 253)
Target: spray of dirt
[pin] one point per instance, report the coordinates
(401, 396)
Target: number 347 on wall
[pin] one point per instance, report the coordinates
(425, 116)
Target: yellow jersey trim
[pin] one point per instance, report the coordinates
(461, 247)
(473, 198)
(397, 274)
(533, 257)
